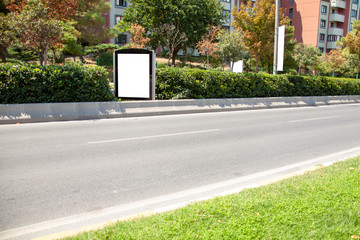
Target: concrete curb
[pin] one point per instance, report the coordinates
(45, 112)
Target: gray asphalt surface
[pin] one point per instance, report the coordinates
(54, 170)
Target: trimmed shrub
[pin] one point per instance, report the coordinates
(175, 83)
(40, 84)
(105, 59)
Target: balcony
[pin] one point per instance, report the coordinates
(336, 31)
(337, 18)
(338, 4)
(331, 45)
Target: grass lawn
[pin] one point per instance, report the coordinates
(324, 204)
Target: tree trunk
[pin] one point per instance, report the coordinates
(207, 62)
(357, 74)
(45, 55)
(54, 52)
(41, 57)
(231, 66)
(176, 50)
(81, 56)
(3, 53)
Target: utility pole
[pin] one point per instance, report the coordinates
(276, 36)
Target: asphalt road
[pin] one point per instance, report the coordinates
(55, 170)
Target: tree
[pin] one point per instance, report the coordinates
(174, 38)
(91, 23)
(258, 25)
(7, 34)
(70, 45)
(39, 24)
(138, 39)
(351, 42)
(231, 46)
(36, 27)
(306, 56)
(352, 62)
(207, 46)
(189, 17)
(333, 61)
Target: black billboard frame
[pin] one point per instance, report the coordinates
(152, 66)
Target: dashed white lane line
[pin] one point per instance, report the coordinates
(312, 119)
(154, 136)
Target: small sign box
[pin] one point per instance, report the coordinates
(134, 74)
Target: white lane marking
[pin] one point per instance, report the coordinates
(312, 119)
(191, 193)
(154, 136)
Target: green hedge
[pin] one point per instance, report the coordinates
(175, 83)
(39, 84)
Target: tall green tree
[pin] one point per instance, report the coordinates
(7, 34)
(231, 46)
(37, 24)
(351, 42)
(91, 23)
(306, 56)
(258, 24)
(37, 28)
(189, 17)
(333, 62)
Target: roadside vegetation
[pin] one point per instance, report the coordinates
(38, 33)
(323, 204)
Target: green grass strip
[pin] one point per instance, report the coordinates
(324, 204)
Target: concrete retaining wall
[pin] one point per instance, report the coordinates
(43, 112)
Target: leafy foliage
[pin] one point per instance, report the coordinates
(258, 25)
(231, 46)
(208, 45)
(40, 84)
(100, 48)
(306, 56)
(351, 42)
(174, 38)
(191, 17)
(174, 83)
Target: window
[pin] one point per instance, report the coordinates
(291, 2)
(117, 19)
(355, 1)
(322, 37)
(323, 23)
(323, 9)
(121, 39)
(333, 11)
(333, 38)
(354, 13)
(225, 1)
(291, 12)
(226, 13)
(120, 3)
(332, 25)
(321, 49)
(291, 23)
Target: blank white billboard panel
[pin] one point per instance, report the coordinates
(238, 66)
(281, 47)
(133, 75)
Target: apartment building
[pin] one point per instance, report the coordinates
(321, 22)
